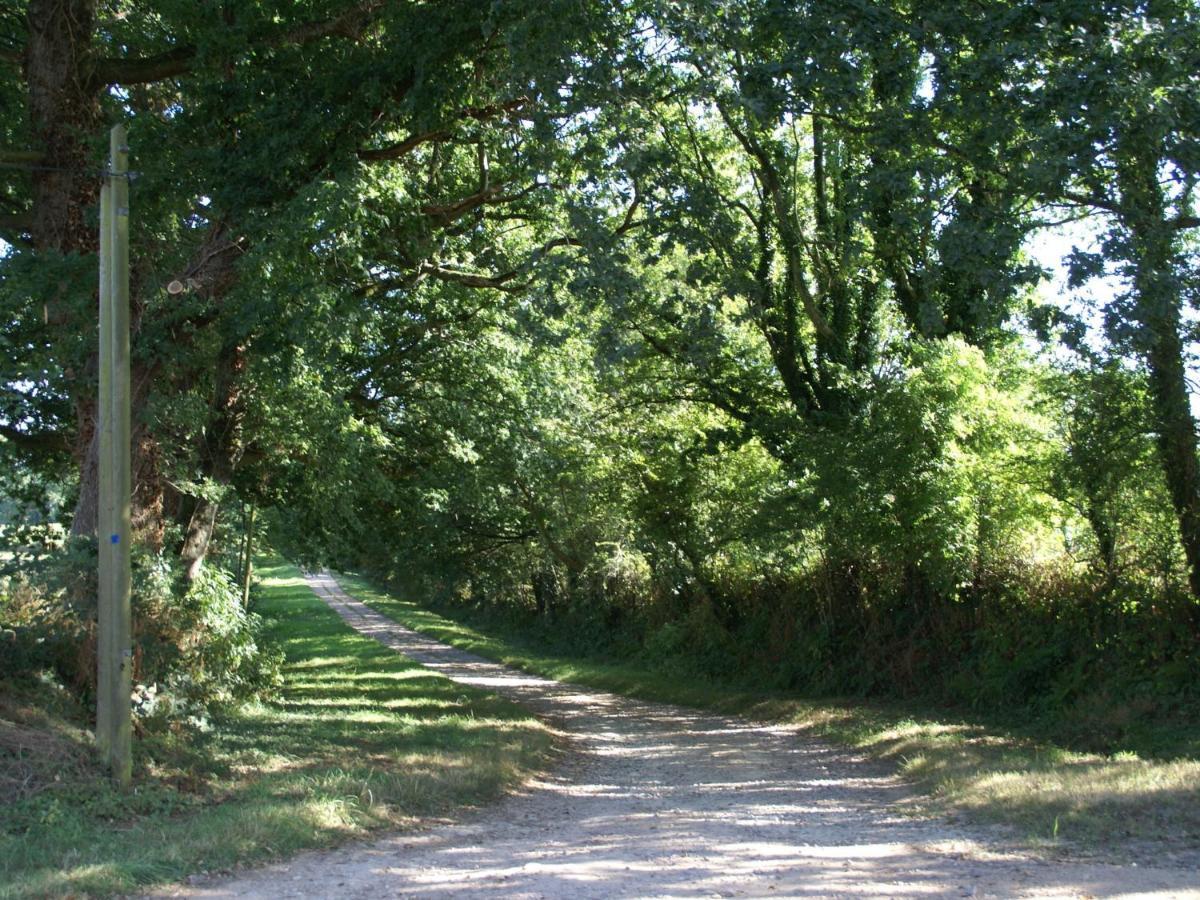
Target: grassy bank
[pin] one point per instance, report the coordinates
(990, 771)
(357, 739)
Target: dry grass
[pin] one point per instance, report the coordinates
(38, 750)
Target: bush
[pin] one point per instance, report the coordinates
(219, 657)
(195, 647)
(48, 617)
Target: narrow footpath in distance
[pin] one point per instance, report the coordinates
(659, 801)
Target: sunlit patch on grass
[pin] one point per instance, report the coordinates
(296, 582)
(924, 731)
(323, 662)
(1088, 796)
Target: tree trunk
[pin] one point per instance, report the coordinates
(148, 487)
(199, 534)
(64, 112)
(220, 452)
(87, 507)
(1106, 539)
(1156, 281)
(248, 559)
(541, 599)
(1177, 438)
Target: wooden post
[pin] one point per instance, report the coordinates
(248, 565)
(105, 652)
(114, 724)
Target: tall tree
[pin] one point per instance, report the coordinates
(1114, 111)
(240, 115)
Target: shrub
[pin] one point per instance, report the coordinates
(195, 647)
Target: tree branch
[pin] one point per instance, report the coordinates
(180, 60)
(13, 228)
(145, 69)
(473, 279)
(1178, 223)
(1089, 200)
(446, 213)
(406, 146)
(402, 148)
(37, 441)
(788, 228)
(20, 157)
(461, 523)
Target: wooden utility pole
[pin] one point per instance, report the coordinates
(114, 675)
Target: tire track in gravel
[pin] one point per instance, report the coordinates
(660, 801)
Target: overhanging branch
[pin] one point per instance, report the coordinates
(15, 228)
(37, 441)
(180, 60)
(500, 282)
(402, 148)
(20, 157)
(409, 144)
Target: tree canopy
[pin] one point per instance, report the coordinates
(711, 326)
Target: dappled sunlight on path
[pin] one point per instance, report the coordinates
(658, 801)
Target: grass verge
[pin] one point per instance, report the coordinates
(984, 770)
(358, 738)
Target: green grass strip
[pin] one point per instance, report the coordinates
(980, 770)
(359, 738)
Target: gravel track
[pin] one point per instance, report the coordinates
(660, 801)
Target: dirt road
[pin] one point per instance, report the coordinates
(657, 801)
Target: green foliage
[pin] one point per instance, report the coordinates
(201, 645)
(193, 644)
(47, 612)
(923, 548)
(1108, 474)
(699, 331)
